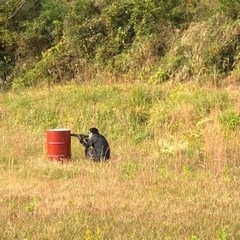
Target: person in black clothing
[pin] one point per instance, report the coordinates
(96, 146)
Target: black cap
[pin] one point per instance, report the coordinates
(93, 130)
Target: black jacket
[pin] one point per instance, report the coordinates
(100, 146)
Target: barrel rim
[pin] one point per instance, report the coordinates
(58, 130)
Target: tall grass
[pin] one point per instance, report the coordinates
(173, 173)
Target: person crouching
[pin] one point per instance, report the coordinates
(96, 146)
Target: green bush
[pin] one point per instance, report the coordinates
(178, 40)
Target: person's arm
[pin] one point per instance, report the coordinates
(84, 142)
(88, 142)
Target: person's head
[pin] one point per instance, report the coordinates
(93, 130)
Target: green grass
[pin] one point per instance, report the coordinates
(173, 174)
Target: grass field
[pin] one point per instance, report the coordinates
(174, 171)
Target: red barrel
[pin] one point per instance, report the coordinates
(59, 144)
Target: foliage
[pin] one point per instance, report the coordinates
(84, 26)
(13, 15)
(216, 56)
(157, 38)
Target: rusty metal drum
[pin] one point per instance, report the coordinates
(58, 144)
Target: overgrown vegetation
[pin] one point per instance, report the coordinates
(45, 42)
(160, 79)
(175, 156)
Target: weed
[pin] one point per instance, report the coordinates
(230, 119)
(30, 207)
(130, 170)
(223, 235)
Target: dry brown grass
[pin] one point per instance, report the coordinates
(141, 193)
(173, 206)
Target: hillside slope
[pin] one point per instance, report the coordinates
(175, 156)
(47, 42)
